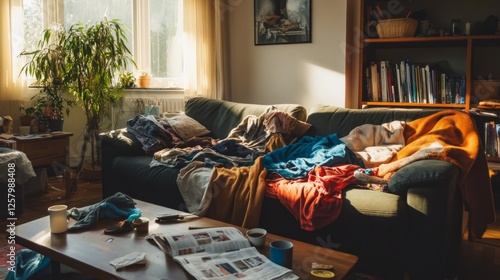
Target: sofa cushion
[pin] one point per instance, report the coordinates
(362, 204)
(220, 117)
(422, 173)
(186, 127)
(326, 119)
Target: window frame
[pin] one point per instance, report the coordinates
(53, 11)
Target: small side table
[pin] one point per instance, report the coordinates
(44, 149)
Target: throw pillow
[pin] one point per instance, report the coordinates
(186, 127)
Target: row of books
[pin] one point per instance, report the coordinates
(491, 139)
(412, 83)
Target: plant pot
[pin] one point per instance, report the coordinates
(144, 81)
(24, 129)
(55, 125)
(91, 174)
(25, 120)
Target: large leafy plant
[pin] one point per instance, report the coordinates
(47, 64)
(94, 54)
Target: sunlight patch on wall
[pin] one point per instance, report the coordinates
(323, 86)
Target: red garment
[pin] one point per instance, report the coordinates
(315, 201)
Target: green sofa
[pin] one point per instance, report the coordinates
(414, 229)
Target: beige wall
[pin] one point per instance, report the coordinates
(307, 74)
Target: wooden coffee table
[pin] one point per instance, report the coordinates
(91, 251)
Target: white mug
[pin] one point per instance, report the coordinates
(58, 218)
(257, 236)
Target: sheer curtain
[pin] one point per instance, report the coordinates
(204, 52)
(11, 93)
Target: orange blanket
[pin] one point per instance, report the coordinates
(456, 132)
(237, 194)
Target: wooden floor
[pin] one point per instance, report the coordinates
(36, 205)
(479, 260)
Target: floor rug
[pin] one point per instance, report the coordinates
(5, 252)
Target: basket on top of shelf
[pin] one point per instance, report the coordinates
(397, 27)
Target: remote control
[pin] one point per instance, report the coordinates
(165, 218)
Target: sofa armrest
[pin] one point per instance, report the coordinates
(434, 202)
(116, 143)
(121, 142)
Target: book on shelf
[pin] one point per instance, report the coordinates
(220, 252)
(368, 84)
(491, 139)
(375, 81)
(405, 81)
(383, 81)
(398, 83)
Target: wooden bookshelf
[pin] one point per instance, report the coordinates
(473, 57)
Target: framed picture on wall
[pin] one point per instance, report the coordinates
(282, 21)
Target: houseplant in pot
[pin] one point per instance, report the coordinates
(26, 116)
(50, 106)
(95, 53)
(47, 64)
(127, 79)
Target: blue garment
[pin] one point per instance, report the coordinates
(294, 161)
(116, 206)
(230, 147)
(28, 263)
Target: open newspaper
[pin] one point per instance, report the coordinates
(219, 253)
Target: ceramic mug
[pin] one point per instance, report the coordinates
(281, 253)
(141, 224)
(58, 218)
(257, 236)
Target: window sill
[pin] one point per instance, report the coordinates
(153, 89)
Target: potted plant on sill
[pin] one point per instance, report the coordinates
(95, 53)
(127, 79)
(47, 65)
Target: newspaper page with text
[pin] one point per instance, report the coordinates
(245, 263)
(211, 240)
(219, 253)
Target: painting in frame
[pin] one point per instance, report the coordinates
(282, 21)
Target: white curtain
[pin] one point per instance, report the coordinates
(204, 52)
(11, 92)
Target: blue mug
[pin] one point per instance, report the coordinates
(281, 253)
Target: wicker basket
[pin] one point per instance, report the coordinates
(397, 28)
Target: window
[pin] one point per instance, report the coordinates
(155, 30)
